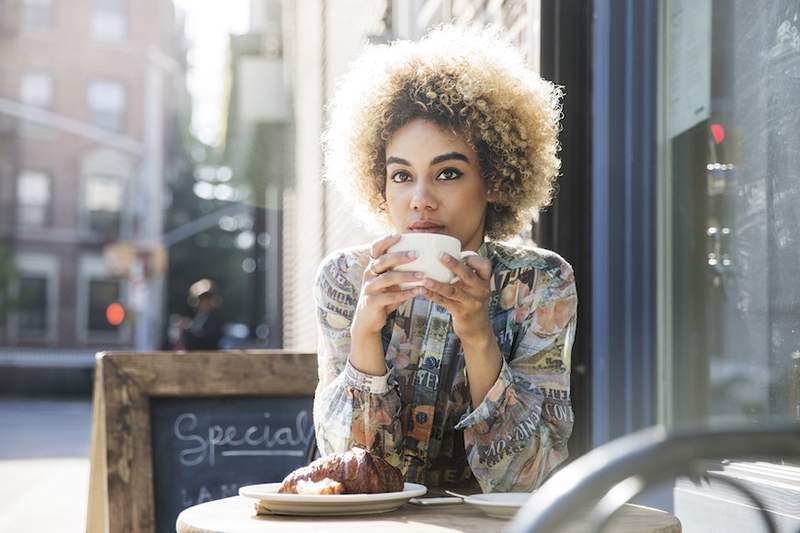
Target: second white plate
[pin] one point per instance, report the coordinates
(499, 504)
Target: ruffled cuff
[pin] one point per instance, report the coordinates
(365, 382)
(480, 417)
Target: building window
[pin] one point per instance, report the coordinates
(104, 196)
(109, 20)
(102, 293)
(37, 14)
(107, 105)
(32, 307)
(33, 198)
(36, 89)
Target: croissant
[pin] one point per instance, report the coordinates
(357, 470)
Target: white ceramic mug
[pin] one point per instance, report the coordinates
(429, 248)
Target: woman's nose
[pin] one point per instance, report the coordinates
(423, 198)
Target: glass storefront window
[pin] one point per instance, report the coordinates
(730, 101)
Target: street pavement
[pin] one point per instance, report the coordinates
(44, 465)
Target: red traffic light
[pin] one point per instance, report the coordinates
(115, 314)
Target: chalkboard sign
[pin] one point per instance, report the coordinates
(205, 449)
(173, 429)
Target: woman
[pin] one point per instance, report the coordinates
(451, 383)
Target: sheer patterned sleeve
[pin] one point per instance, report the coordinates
(350, 407)
(519, 433)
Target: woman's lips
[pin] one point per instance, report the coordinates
(425, 227)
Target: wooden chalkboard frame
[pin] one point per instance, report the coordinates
(121, 491)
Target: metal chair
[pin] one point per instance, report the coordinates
(616, 472)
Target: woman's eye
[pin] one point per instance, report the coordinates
(450, 174)
(400, 177)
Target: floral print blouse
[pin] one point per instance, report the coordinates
(418, 415)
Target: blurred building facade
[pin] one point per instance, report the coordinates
(258, 148)
(90, 93)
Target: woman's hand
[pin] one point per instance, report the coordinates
(468, 303)
(380, 292)
(380, 295)
(467, 300)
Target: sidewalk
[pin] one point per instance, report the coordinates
(44, 465)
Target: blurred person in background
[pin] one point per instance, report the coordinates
(205, 330)
(461, 384)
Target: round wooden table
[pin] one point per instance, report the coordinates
(237, 515)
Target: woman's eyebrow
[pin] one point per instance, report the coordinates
(397, 160)
(450, 155)
(435, 161)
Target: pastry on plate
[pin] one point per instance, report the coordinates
(353, 472)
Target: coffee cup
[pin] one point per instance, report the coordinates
(429, 248)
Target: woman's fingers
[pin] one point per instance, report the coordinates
(391, 260)
(382, 245)
(464, 296)
(395, 305)
(389, 280)
(437, 298)
(473, 270)
(481, 265)
(385, 299)
(461, 270)
(445, 290)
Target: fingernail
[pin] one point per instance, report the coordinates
(429, 284)
(412, 253)
(446, 257)
(419, 275)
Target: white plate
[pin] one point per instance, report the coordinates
(331, 504)
(499, 504)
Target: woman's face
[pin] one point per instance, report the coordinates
(434, 185)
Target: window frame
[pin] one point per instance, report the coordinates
(52, 88)
(90, 213)
(48, 208)
(97, 9)
(91, 110)
(25, 14)
(36, 264)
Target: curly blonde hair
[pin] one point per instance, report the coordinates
(469, 81)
